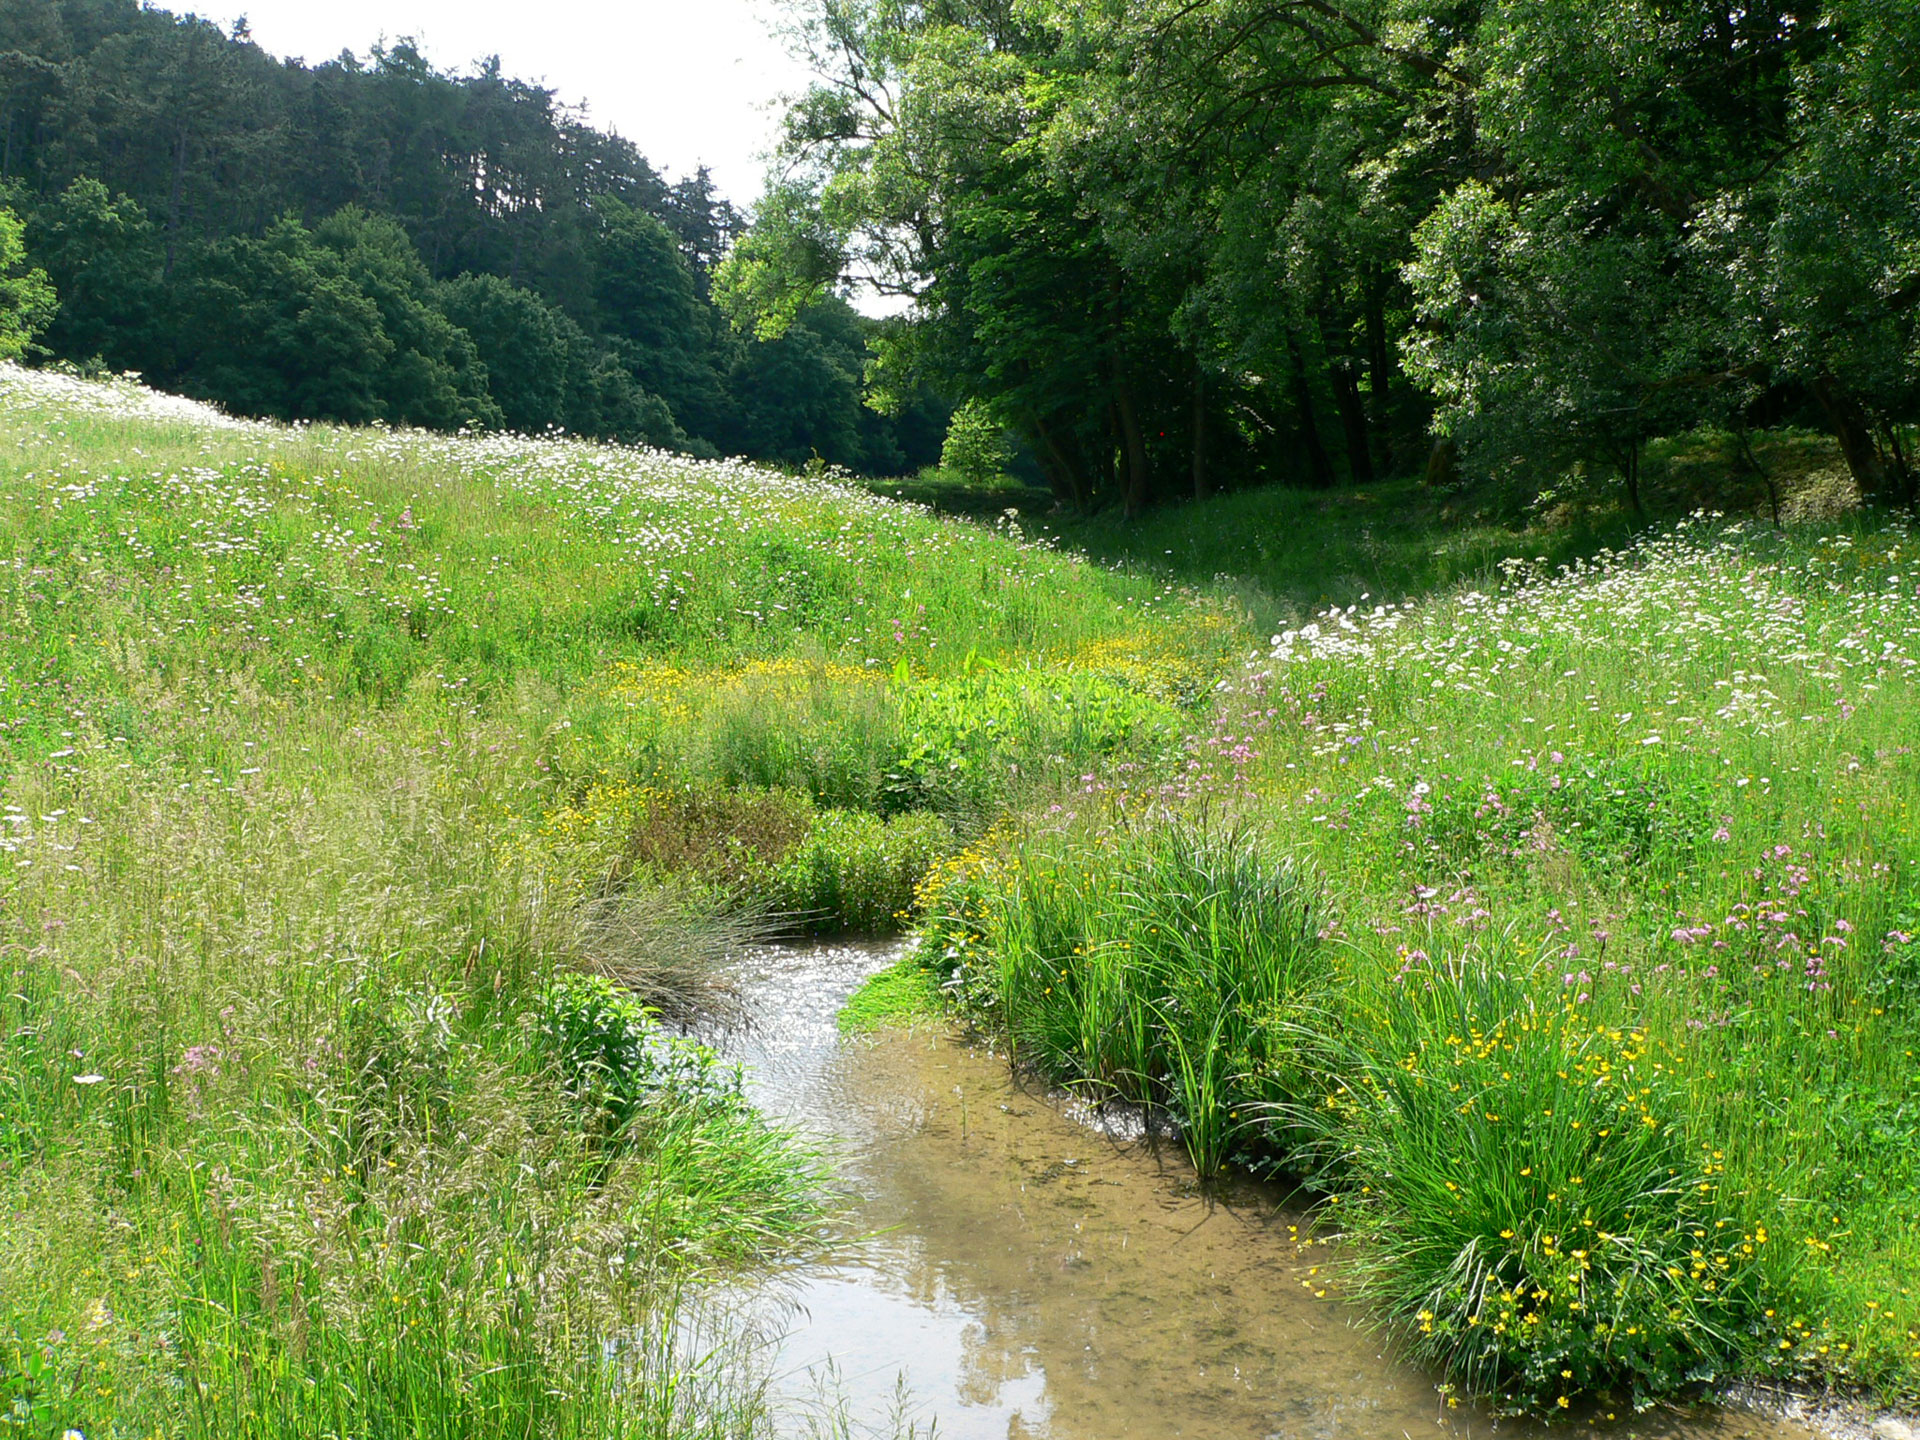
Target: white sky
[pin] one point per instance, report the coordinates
(688, 81)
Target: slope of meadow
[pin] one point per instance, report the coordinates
(1562, 932)
(340, 768)
(1558, 931)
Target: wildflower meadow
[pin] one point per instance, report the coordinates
(1600, 1047)
(373, 800)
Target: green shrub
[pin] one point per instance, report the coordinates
(968, 743)
(857, 872)
(976, 449)
(615, 1060)
(1528, 1212)
(725, 839)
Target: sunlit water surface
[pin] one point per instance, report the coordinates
(1026, 1274)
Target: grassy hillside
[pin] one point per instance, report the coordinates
(1556, 923)
(337, 765)
(1561, 930)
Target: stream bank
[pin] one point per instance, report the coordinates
(1024, 1274)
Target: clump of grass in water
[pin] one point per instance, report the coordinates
(667, 945)
(1161, 965)
(1528, 1211)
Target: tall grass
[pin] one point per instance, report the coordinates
(1160, 965)
(1527, 1201)
(294, 872)
(330, 754)
(1641, 820)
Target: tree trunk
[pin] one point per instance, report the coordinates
(1379, 367)
(1136, 490)
(1353, 421)
(1440, 462)
(1068, 474)
(1744, 442)
(1202, 480)
(1319, 469)
(173, 201)
(1110, 467)
(1900, 471)
(1851, 428)
(1633, 476)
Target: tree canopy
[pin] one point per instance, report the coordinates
(379, 239)
(1179, 243)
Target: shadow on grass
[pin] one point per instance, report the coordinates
(1285, 554)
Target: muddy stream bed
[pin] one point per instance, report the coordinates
(1025, 1273)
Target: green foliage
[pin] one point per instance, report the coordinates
(104, 258)
(473, 253)
(785, 264)
(1535, 1219)
(769, 852)
(856, 872)
(27, 301)
(1190, 250)
(615, 1059)
(332, 323)
(963, 740)
(976, 447)
(529, 350)
(1166, 966)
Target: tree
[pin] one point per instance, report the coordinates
(976, 447)
(104, 259)
(157, 158)
(27, 300)
(526, 346)
(334, 323)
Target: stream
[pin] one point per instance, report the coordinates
(1026, 1273)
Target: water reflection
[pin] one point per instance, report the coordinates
(1026, 1275)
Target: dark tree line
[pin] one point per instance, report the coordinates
(380, 240)
(1179, 244)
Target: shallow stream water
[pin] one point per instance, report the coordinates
(1026, 1273)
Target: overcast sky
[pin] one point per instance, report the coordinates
(690, 82)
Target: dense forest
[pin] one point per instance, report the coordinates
(384, 241)
(1171, 246)
(1181, 245)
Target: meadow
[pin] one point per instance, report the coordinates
(368, 797)
(1559, 932)
(374, 799)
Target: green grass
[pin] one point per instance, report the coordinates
(1164, 964)
(329, 756)
(901, 996)
(1284, 554)
(326, 756)
(1664, 794)
(1279, 555)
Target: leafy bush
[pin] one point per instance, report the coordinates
(723, 838)
(857, 872)
(967, 743)
(616, 1060)
(976, 448)
(1528, 1210)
